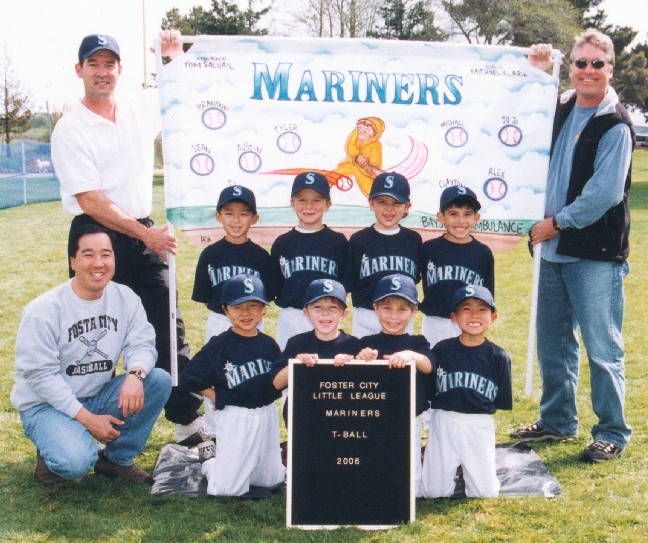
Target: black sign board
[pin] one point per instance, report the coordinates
(350, 445)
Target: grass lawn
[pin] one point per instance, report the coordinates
(600, 503)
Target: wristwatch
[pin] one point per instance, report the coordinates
(140, 374)
(556, 226)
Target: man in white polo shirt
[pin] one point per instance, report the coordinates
(103, 153)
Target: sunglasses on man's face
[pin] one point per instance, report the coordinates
(582, 63)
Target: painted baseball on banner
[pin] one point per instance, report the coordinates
(249, 161)
(456, 136)
(510, 135)
(495, 188)
(289, 142)
(202, 164)
(214, 118)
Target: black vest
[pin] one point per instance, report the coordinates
(607, 238)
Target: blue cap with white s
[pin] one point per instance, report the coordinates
(95, 42)
(397, 285)
(324, 288)
(311, 180)
(243, 288)
(473, 291)
(236, 193)
(391, 184)
(458, 193)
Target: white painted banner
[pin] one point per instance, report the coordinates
(257, 111)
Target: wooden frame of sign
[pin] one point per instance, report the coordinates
(350, 445)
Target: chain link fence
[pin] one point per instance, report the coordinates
(27, 174)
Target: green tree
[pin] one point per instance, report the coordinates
(407, 20)
(224, 18)
(516, 22)
(15, 113)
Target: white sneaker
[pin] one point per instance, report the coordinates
(190, 434)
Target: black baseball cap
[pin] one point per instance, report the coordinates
(473, 291)
(391, 184)
(324, 288)
(396, 285)
(243, 288)
(458, 193)
(311, 180)
(95, 42)
(236, 193)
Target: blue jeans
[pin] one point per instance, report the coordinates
(586, 294)
(67, 446)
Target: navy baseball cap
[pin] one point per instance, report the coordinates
(397, 285)
(473, 291)
(324, 288)
(391, 184)
(236, 193)
(95, 42)
(312, 180)
(458, 192)
(243, 288)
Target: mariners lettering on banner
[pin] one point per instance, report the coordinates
(452, 273)
(466, 379)
(238, 374)
(308, 263)
(355, 86)
(222, 274)
(389, 263)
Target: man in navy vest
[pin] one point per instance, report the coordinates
(584, 252)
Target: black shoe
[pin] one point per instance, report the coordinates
(600, 451)
(535, 432)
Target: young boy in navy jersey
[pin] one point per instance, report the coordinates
(324, 306)
(452, 261)
(309, 251)
(472, 379)
(395, 302)
(234, 370)
(382, 249)
(234, 254)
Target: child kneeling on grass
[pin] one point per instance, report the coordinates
(234, 370)
(472, 378)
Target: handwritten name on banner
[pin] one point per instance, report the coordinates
(257, 111)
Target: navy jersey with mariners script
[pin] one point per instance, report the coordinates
(373, 255)
(309, 343)
(447, 266)
(388, 344)
(299, 258)
(473, 380)
(238, 367)
(223, 260)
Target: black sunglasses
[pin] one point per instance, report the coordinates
(596, 64)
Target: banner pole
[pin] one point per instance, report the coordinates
(173, 302)
(537, 251)
(533, 318)
(173, 338)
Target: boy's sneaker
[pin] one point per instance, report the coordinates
(536, 432)
(599, 451)
(42, 473)
(190, 435)
(206, 450)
